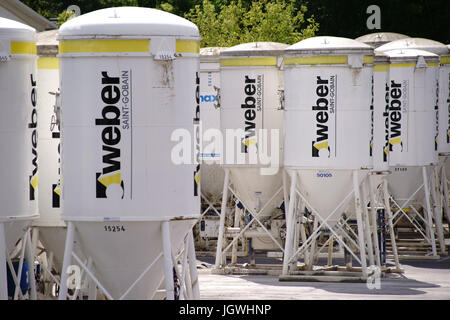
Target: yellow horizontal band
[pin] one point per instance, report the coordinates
(78, 46)
(23, 47)
(324, 60)
(231, 62)
(48, 63)
(445, 60)
(316, 60)
(412, 65)
(368, 59)
(187, 46)
(381, 68)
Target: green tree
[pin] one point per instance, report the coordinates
(262, 20)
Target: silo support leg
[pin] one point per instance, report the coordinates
(437, 208)
(168, 266)
(30, 254)
(67, 260)
(373, 222)
(290, 226)
(429, 211)
(19, 272)
(193, 267)
(358, 209)
(3, 271)
(390, 221)
(367, 228)
(445, 194)
(222, 219)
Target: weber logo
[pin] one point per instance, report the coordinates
(33, 178)
(325, 116)
(114, 123)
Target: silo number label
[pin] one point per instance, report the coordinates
(114, 228)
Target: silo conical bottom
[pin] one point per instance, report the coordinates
(53, 240)
(211, 181)
(325, 191)
(120, 257)
(403, 182)
(14, 230)
(256, 189)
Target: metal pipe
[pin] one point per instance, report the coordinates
(67, 260)
(445, 192)
(168, 266)
(429, 212)
(222, 219)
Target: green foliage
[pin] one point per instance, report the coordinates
(64, 16)
(262, 20)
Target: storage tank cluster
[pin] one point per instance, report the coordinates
(316, 140)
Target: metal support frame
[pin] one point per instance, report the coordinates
(92, 281)
(26, 254)
(220, 252)
(341, 232)
(431, 208)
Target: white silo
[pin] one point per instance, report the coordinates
(129, 79)
(251, 119)
(211, 173)
(380, 38)
(19, 143)
(443, 137)
(328, 140)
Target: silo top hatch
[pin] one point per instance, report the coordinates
(128, 22)
(417, 43)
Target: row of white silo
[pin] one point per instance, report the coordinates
(343, 107)
(120, 83)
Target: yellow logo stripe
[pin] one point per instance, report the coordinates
(197, 178)
(445, 60)
(34, 181)
(58, 191)
(248, 142)
(321, 145)
(23, 47)
(395, 140)
(114, 178)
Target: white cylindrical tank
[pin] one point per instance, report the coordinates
(129, 79)
(250, 93)
(18, 129)
(328, 91)
(52, 229)
(412, 119)
(211, 177)
(380, 38)
(443, 140)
